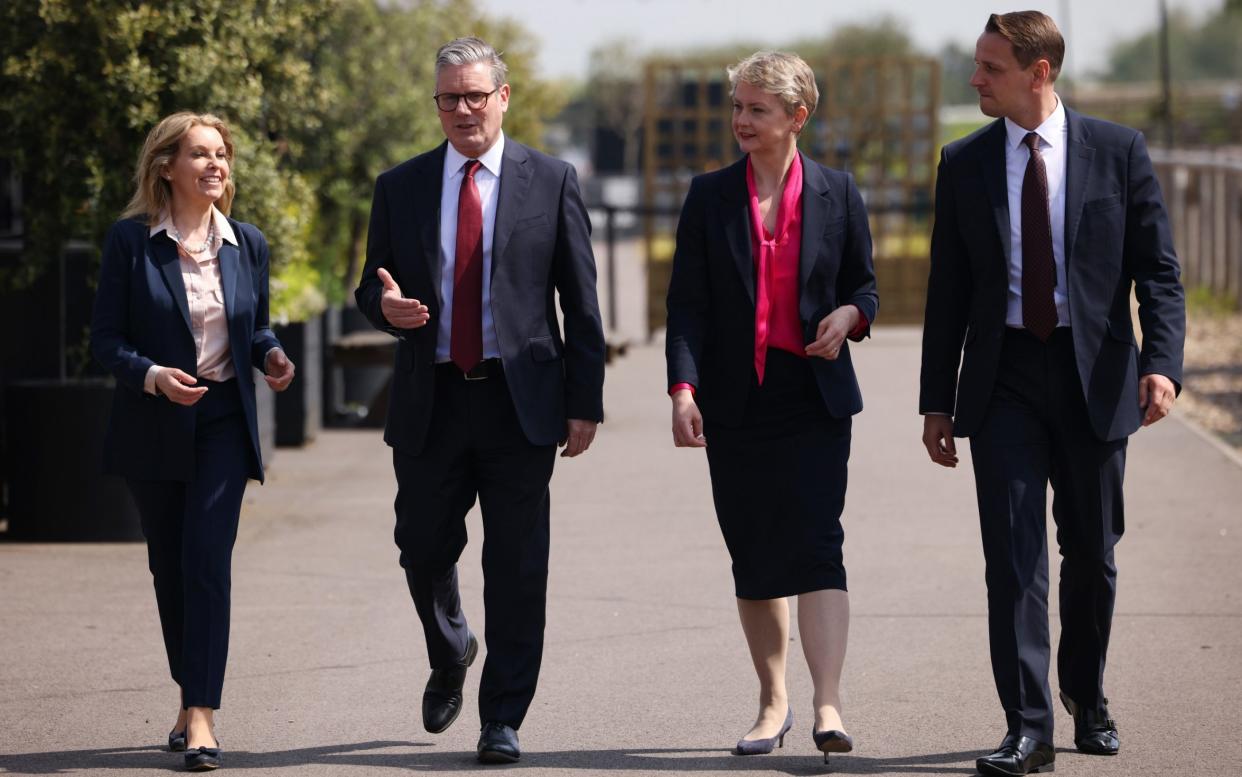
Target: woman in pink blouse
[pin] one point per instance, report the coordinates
(771, 276)
(181, 321)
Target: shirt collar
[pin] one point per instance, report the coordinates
(1051, 132)
(491, 159)
(224, 230)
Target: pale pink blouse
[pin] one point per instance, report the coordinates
(200, 274)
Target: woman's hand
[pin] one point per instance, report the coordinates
(178, 386)
(832, 331)
(278, 370)
(687, 421)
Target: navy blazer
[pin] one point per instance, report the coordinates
(1117, 236)
(541, 247)
(142, 318)
(710, 341)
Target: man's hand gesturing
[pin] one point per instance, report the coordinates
(401, 312)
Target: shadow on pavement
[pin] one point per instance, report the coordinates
(157, 759)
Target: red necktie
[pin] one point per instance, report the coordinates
(1039, 272)
(466, 337)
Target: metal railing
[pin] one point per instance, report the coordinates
(1203, 192)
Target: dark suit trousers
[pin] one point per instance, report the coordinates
(476, 448)
(190, 530)
(1036, 432)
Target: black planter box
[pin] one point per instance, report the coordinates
(54, 462)
(299, 408)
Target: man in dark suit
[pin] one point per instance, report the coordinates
(1045, 221)
(469, 246)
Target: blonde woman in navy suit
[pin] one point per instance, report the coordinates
(180, 320)
(771, 276)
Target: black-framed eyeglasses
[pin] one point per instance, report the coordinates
(475, 101)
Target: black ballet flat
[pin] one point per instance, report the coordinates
(202, 759)
(176, 741)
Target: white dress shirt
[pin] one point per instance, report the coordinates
(487, 179)
(1052, 147)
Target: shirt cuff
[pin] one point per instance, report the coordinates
(679, 386)
(862, 325)
(936, 412)
(148, 382)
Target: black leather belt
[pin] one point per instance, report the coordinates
(488, 368)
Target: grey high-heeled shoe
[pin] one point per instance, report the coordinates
(765, 746)
(832, 741)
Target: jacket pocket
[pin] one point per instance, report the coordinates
(1103, 203)
(540, 220)
(543, 349)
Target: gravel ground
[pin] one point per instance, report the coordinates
(1212, 387)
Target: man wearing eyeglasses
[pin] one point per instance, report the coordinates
(467, 245)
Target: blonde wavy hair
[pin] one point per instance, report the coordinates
(787, 76)
(153, 193)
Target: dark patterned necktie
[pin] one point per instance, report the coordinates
(1039, 272)
(466, 336)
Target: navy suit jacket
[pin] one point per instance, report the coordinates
(142, 318)
(1117, 237)
(710, 341)
(541, 247)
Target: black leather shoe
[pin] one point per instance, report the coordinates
(1017, 756)
(442, 696)
(1094, 731)
(176, 741)
(498, 744)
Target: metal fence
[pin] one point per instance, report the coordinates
(1203, 191)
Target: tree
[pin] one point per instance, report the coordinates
(957, 66)
(81, 83)
(1209, 50)
(375, 66)
(883, 36)
(321, 94)
(614, 89)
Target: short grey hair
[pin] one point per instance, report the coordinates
(787, 76)
(467, 51)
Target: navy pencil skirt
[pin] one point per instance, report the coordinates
(778, 483)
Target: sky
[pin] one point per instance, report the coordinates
(569, 29)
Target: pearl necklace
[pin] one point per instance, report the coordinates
(211, 238)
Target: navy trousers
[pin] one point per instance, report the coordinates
(1037, 432)
(190, 530)
(476, 449)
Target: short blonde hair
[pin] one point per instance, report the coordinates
(787, 76)
(153, 193)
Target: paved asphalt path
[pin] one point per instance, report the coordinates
(645, 670)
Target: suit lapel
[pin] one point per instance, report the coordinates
(1078, 156)
(424, 188)
(164, 253)
(736, 215)
(993, 170)
(229, 258)
(515, 175)
(817, 204)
